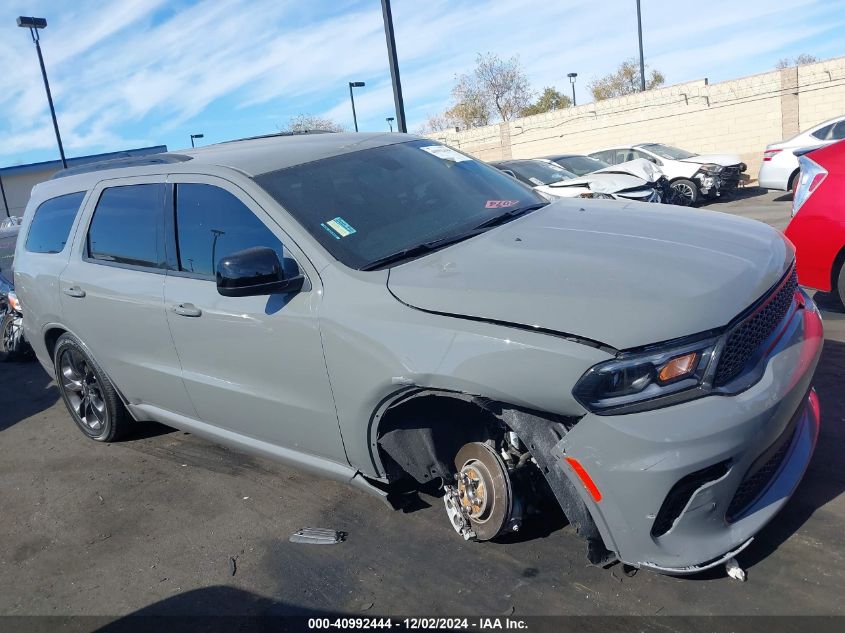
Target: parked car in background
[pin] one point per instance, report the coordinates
(692, 175)
(552, 181)
(586, 166)
(13, 345)
(779, 169)
(817, 228)
(389, 312)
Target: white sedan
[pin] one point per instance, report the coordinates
(552, 181)
(691, 175)
(780, 165)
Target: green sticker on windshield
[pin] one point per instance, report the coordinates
(338, 228)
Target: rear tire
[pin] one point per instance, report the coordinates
(88, 394)
(839, 288)
(687, 193)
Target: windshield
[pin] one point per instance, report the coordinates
(536, 172)
(581, 165)
(667, 151)
(366, 205)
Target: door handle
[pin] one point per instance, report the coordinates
(74, 291)
(187, 309)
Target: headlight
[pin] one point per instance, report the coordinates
(647, 380)
(591, 194)
(710, 168)
(14, 302)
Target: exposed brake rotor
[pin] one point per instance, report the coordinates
(480, 504)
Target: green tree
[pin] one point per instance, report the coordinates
(625, 80)
(551, 99)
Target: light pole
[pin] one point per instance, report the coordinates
(390, 120)
(193, 136)
(642, 59)
(354, 84)
(399, 102)
(34, 24)
(572, 77)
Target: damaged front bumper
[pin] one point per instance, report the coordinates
(684, 488)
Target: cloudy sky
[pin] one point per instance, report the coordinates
(131, 73)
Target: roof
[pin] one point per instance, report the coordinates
(80, 160)
(265, 154)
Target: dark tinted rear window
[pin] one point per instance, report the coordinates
(127, 226)
(50, 227)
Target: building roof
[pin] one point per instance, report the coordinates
(79, 160)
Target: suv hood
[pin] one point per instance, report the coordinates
(624, 275)
(725, 160)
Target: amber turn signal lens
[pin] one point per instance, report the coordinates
(678, 367)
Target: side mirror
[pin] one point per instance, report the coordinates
(254, 271)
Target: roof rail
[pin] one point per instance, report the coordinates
(275, 134)
(119, 163)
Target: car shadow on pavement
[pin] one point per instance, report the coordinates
(742, 193)
(25, 390)
(217, 608)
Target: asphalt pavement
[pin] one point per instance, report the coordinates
(167, 523)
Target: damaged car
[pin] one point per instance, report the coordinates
(386, 311)
(692, 176)
(586, 166)
(552, 181)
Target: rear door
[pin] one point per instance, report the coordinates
(112, 292)
(252, 365)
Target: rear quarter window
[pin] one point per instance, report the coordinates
(50, 226)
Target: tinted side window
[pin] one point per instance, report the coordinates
(50, 226)
(838, 132)
(127, 227)
(822, 133)
(211, 223)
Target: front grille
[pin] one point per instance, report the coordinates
(681, 493)
(763, 470)
(750, 333)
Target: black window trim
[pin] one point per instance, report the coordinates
(111, 184)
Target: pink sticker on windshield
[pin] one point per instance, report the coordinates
(500, 204)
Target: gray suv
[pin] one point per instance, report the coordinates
(389, 312)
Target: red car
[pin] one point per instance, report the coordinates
(817, 228)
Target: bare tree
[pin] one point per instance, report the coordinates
(503, 83)
(494, 87)
(436, 123)
(310, 122)
(799, 60)
(551, 99)
(625, 80)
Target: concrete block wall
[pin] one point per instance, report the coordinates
(740, 116)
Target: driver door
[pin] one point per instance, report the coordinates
(251, 365)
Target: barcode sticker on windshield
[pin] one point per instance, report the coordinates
(446, 153)
(338, 228)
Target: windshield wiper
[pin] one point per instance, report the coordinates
(420, 249)
(509, 215)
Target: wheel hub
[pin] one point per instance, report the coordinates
(480, 504)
